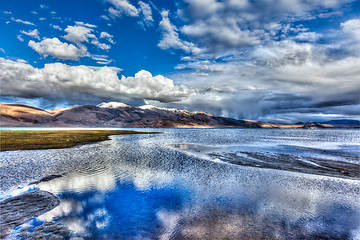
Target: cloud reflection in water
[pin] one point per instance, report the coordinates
(140, 187)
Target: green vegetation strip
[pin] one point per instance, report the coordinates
(54, 139)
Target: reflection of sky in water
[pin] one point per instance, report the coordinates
(140, 187)
(123, 213)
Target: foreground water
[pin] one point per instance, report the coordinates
(196, 184)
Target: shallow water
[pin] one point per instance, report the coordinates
(198, 184)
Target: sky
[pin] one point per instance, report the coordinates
(267, 60)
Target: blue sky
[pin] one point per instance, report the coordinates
(266, 60)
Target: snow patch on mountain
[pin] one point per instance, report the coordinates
(112, 105)
(152, 107)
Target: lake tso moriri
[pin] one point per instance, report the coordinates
(194, 184)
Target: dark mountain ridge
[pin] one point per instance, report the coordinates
(107, 115)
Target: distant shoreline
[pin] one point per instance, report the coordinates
(54, 139)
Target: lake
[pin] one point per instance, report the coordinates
(196, 184)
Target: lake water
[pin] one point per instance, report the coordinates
(196, 184)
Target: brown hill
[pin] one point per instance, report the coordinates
(16, 115)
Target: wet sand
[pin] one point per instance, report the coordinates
(327, 164)
(22, 208)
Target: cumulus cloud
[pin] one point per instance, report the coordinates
(222, 27)
(123, 7)
(155, 87)
(56, 27)
(35, 33)
(170, 36)
(107, 36)
(55, 48)
(281, 81)
(78, 34)
(83, 32)
(146, 14)
(24, 75)
(20, 79)
(351, 32)
(102, 46)
(242, 59)
(352, 27)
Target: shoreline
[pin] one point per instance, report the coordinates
(13, 140)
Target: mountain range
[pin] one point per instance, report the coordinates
(118, 115)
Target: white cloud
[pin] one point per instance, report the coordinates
(6, 12)
(102, 59)
(308, 36)
(115, 69)
(55, 48)
(107, 36)
(43, 6)
(33, 12)
(78, 34)
(22, 73)
(113, 13)
(85, 24)
(146, 14)
(2, 50)
(352, 28)
(284, 77)
(104, 62)
(21, 21)
(83, 32)
(42, 19)
(20, 38)
(285, 52)
(186, 59)
(105, 17)
(222, 27)
(219, 33)
(123, 7)
(170, 36)
(56, 27)
(35, 33)
(23, 80)
(160, 88)
(348, 39)
(299, 29)
(100, 45)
